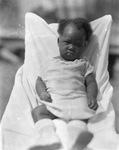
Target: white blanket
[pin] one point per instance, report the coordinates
(18, 132)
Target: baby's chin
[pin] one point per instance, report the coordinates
(69, 58)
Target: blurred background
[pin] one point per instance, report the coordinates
(12, 26)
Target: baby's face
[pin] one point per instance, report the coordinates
(72, 43)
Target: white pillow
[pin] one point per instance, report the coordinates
(41, 41)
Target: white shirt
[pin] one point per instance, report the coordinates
(65, 82)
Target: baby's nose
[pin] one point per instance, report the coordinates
(71, 47)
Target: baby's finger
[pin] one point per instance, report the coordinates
(89, 102)
(49, 99)
(95, 106)
(91, 105)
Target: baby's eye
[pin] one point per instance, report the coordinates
(78, 43)
(66, 42)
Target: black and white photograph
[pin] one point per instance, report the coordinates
(59, 74)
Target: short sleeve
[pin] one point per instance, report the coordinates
(89, 69)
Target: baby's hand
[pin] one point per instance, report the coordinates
(45, 96)
(92, 103)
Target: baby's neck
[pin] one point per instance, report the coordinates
(60, 57)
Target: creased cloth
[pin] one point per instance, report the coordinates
(18, 132)
(65, 81)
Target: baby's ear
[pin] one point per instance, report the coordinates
(86, 43)
(58, 40)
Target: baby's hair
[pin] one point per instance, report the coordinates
(79, 22)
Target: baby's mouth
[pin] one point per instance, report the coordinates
(70, 52)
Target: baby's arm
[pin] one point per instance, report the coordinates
(42, 90)
(117, 121)
(92, 90)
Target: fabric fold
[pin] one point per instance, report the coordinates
(18, 128)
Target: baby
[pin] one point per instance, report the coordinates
(67, 87)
